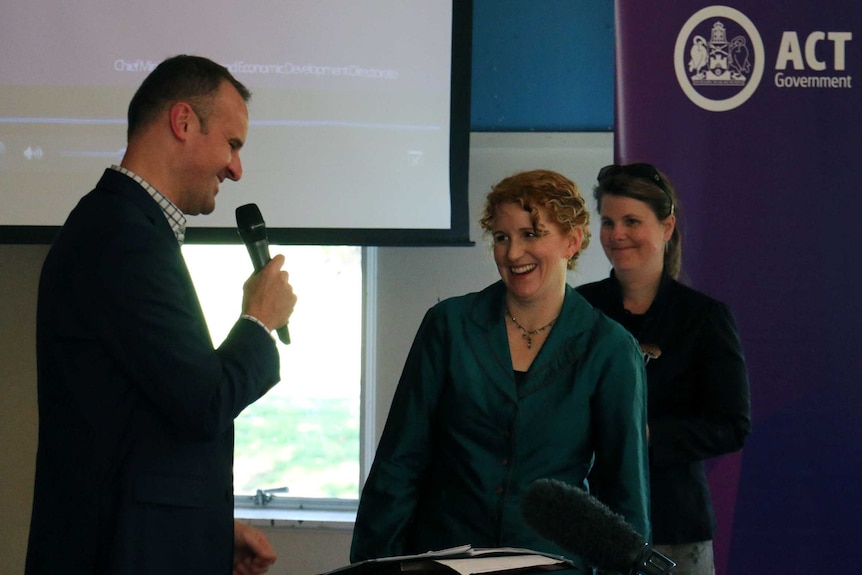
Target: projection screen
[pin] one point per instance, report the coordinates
(359, 118)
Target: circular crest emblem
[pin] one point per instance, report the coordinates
(718, 58)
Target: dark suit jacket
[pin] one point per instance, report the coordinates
(136, 408)
(698, 394)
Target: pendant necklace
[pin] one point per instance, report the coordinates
(528, 334)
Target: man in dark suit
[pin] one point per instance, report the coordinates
(136, 407)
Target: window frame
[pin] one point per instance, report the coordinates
(336, 513)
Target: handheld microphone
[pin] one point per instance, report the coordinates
(583, 525)
(252, 231)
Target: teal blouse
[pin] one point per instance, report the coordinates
(462, 443)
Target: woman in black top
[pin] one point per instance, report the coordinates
(698, 395)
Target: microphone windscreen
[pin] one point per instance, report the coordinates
(581, 524)
(250, 224)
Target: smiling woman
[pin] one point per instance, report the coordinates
(481, 411)
(698, 382)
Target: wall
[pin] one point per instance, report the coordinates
(19, 274)
(542, 65)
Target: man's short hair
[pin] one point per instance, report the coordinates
(192, 79)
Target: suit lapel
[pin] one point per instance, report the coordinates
(485, 335)
(115, 182)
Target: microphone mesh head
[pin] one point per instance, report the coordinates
(249, 223)
(581, 524)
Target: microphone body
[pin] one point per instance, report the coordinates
(252, 231)
(581, 524)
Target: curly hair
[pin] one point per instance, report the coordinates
(541, 188)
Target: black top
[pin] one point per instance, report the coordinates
(698, 398)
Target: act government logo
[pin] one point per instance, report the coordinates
(719, 58)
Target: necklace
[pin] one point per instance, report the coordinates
(528, 334)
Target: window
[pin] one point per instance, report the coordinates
(302, 439)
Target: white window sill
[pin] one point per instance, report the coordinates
(296, 518)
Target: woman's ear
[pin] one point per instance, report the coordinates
(576, 239)
(669, 224)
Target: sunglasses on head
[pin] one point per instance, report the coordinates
(641, 170)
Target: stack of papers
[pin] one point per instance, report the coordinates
(464, 560)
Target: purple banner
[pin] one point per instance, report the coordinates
(754, 113)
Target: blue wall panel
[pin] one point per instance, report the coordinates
(542, 65)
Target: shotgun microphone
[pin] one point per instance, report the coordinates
(252, 231)
(583, 525)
